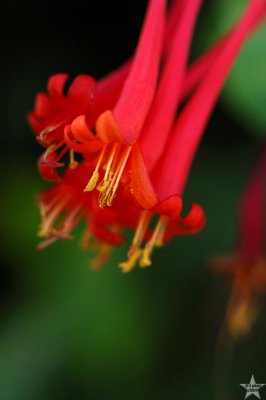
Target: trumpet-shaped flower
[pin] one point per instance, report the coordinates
(134, 150)
(160, 176)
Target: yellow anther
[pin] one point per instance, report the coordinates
(155, 241)
(110, 197)
(92, 182)
(106, 199)
(73, 163)
(105, 182)
(131, 262)
(145, 260)
(95, 175)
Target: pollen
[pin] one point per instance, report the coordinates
(92, 182)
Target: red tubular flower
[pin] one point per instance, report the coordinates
(153, 137)
(158, 188)
(139, 143)
(246, 269)
(123, 128)
(65, 204)
(119, 130)
(54, 110)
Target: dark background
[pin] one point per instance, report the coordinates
(68, 332)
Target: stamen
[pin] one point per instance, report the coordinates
(111, 181)
(71, 220)
(92, 182)
(52, 149)
(73, 163)
(49, 129)
(156, 239)
(61, 154)
(109, 168)
(135, 252)
(111, 192)
(105, 182)
(131, 262)
(95, 175)
(50, 218)
(143, 223)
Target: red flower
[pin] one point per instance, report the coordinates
(161, 164)
(138, 154)
(246, 269)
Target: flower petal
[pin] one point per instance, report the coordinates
(193, 222)
(107, 129)
(137, 94)
(170, 207)
(140, 183)
(82, 87)
(161, 116)
(56, 84)
(190, 125)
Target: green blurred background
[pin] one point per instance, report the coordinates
(68, 332)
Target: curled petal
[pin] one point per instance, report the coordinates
(81, 131)
(79, 138)
(83, 87)
(193, 222)
(56, 84)
(171, 207)
(107, 129)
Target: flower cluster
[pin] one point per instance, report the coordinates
(131, 137)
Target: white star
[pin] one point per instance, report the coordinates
(252, 387)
